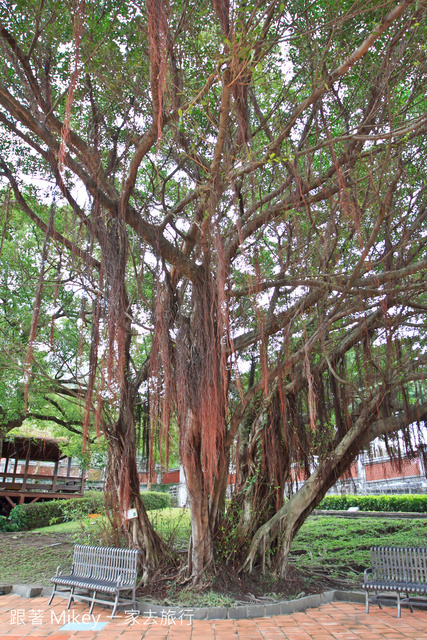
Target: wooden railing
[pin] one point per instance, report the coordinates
(10, 481)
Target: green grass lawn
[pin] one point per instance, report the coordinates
(340, 546)
(64, 527)
(331, 546)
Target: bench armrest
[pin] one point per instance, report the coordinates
(58, 572)
(368, 574)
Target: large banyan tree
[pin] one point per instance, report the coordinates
(240, 208)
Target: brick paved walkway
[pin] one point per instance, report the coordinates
(32, 619)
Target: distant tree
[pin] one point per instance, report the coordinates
(246, 190)
(45, 388)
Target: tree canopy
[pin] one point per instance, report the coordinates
(231, 198)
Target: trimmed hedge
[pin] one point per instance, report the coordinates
(76, 508)
(41, 514)
(34, 515)
(155, 500)
(416, 503)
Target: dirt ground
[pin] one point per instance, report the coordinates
(32, 539)
(32, 558)
(225, 586)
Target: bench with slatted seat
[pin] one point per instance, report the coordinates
(104, 570)
(401, 570)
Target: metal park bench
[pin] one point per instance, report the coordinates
(96, 570)
(402, 570)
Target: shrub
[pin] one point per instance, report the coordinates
(166, 488)
(100, 532)
(173, 525)
(41, 514)
(77, 508)
(155, 500)
(34, 515)
(404, 503)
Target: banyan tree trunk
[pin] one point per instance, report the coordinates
(262, 468)
(138, 531)
(200, 552)
(275, 536)
(201, 382)
(123, 493)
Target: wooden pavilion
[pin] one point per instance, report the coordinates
(24, 478)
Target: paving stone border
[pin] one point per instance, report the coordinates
(242, 612)
(258, 610)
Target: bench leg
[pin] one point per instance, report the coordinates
(367, 602)
(70, 598)
(409, 602)
(399, 612)
(53, 593)
(116, 601)
(93, 602)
